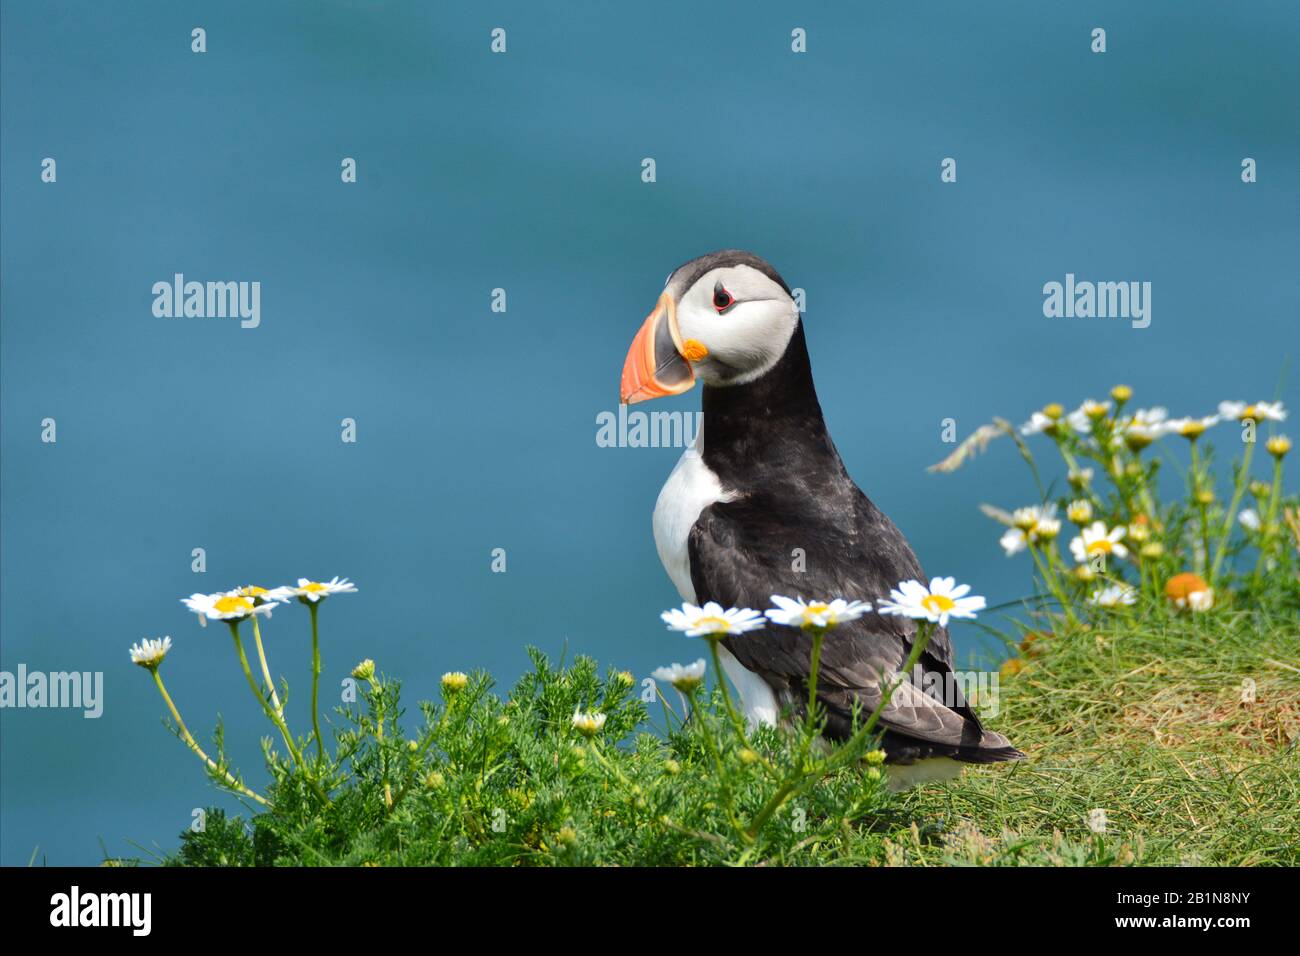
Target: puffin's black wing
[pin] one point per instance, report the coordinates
(744, 551)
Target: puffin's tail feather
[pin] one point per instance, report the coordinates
(991, 748)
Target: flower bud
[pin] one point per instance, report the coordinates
(1080, 512)
(453, 682)
(1153, 549)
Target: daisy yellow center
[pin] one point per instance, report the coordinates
(1101, 544)
(313, 587)
(231, 603)
(714, 623)
(813, 610)
(938, 603)
(1192, 429)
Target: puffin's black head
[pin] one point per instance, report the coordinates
(725, 318)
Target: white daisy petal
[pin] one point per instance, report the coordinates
(685, 677)
(150, 652)
(942, 600)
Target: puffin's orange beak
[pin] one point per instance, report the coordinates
(656, 363)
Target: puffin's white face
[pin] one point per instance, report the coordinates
(728, 326)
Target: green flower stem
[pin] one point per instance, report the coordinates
(698, 713)
(275, 717)
(271, 714)
(797, 784)
(1270, 527)
(721, 677)
(193, 744)
(1239, 489)
(1144, 490)
(593, 748)
(266, 670)
(421, 752)
(379, 726)
(1054, 585)
(818, 637)
(1072, 464)
(1146, 578)
(1202, 508)
(668, 710)
(1114, 470)
(314, 607)
(810, 718)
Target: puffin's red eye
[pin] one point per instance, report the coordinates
(722, 299)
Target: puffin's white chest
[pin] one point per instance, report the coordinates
(690, 489)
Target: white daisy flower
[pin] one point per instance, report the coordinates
(1260, 411)
(1081, 418)
(1143, 427)
(149, 653)
(313, 591)
(1038, 422)
(1249, 519)
(225, 606)
(815, 614)
(1095, 539)
(365, 670)
(1201, 600)
(944, 598)
(1080, 478)
(1080, 512)
(588, 723)
(1031, 524)
(1030, 517)
(1013, 541)
(1113, 596)
(712, 620)
(1190, 428)
(1047, 529)
(685, 677)
(259, 595)
(1149, 417)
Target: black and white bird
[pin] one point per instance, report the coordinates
(762, 479)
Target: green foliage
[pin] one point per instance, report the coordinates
(1220, 545)
(1159, 731)
(1143, 720)
(486, 781)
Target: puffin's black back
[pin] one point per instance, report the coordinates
(767, 441)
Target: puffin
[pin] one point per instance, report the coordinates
(761, 504)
